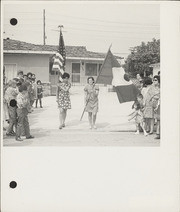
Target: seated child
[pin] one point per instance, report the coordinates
(139, 119)
(22, 114)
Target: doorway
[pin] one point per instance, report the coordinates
(10, 71)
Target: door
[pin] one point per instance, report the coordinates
(75, 72)
(10, 71)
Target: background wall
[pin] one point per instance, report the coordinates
(37, 64)
(83, 77)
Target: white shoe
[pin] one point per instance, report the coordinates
(145, 133)
(94, 127)
(136, 133)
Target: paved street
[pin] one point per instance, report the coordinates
(113, 128)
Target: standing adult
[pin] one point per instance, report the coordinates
(156, 104)
(91, 101)
(151, 99)
(147, 82)
(63, 98)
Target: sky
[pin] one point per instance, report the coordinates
(95, 25)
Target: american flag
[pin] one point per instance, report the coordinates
(62, 49)
(60, 58)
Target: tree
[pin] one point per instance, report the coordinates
(141, 57)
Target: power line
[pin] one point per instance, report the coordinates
(31, 26)
(13, 11)
(123, 27)
(125, 24)
(85, 33)
(105, 37)
(91, 19)
(107, 21)
(111, 31)
(24, 24)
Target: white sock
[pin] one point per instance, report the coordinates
(137, 132)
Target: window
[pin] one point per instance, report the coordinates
(54, 72)
(75, 68)
(99, 67)
(91, 69)
(76, 72)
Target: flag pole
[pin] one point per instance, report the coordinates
(96, 81)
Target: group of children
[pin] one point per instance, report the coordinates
(20, 93)
(147, 107)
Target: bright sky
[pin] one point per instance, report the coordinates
(92, 24)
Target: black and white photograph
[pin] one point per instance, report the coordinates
(90, 106)
(81, 74)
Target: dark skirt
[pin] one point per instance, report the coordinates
(39, 96)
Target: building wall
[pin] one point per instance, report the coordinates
(83, 76)
(37, 64)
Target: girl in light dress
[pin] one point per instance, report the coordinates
(63, 99)
(91, 101)
(138, 115)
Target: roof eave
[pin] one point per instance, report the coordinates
(49, 53)
(29, 52)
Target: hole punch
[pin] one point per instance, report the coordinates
(12, 184)
(13, 21)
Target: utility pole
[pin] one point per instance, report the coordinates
(60, 26)
(44, 34)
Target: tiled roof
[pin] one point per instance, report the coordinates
(71, 51)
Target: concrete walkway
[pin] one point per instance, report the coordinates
(113, 128)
